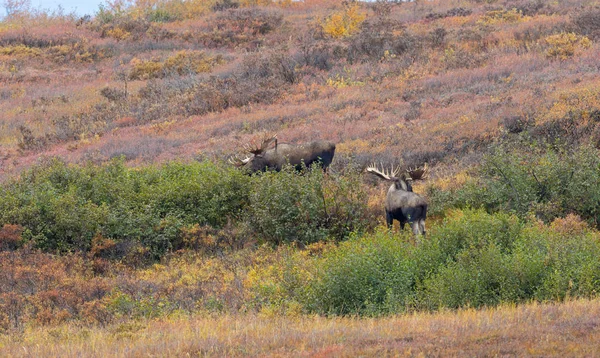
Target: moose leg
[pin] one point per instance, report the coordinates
(422, 226)
(415, 227)
(389, 219)
(402, 223)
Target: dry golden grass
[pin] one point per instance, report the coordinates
(544, 330)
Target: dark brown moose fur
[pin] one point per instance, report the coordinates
(282, 154)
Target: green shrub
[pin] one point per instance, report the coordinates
(306, 207)
(46, 203)
(472, 259)
(62, 207)
(373, 274)
(547, 183)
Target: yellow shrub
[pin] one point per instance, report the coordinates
(59, 53)
(255, 2)
(565, 45)
(143, 70)
(582, 99)
(344, 23)
(354, 146)
(498, 16)
(20, 51)
(342, 82)
(118, 34)
(84, 56)
(191, 61)
(183, 62)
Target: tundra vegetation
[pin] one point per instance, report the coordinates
(122, 221)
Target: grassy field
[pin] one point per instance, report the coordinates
(569, 329)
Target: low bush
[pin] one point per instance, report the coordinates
(544, 183)
(63, 207)
(378, 38)
(472, 259)
(233, 26)
(307, 207)
(565, 45)
(588, 23)
(181, 63)
(345, 22)
(373, 274)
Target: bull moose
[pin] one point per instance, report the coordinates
(262, 158)
(401, 202)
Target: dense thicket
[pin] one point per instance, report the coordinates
(473, 259)
(540, 181)
(156, 208)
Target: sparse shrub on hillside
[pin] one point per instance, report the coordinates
(516, 124)
(78, 52)
(123, 27)
(588, 23)
(113, 94)
(181, 63)
(217, 94)
(239, 26)
(191, 62)
(457, 11)
(565, 45)
(460, 57)
(78, 126)
(533, 7)
(498, 16)
(319, 54)
(345, 22)
(37, 39)
(20, 51)
(10, 237)
(28, 141)
(379, 37)
(221, 5)
(276, 66)
(262, 81)
(437, 37)
(143, 70)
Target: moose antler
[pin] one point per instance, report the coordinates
(235, 160)
(387, 175)
(258, 149)
(418, 173)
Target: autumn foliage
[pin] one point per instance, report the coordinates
(117, 205)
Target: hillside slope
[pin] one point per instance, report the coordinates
(427, 81)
